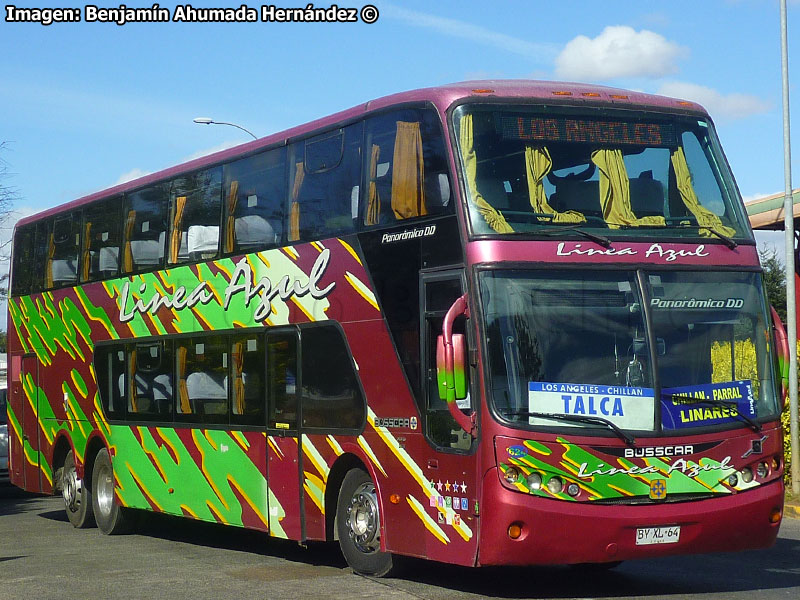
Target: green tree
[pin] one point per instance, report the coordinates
(775, 280)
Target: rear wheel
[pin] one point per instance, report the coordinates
(111, 517)
(358, 524)
(77, 496)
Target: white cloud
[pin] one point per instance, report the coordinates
(131, 175)
(538, 52)
(619, 51)
(218, 148)
(731, 106)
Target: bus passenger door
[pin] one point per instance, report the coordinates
(28, 390)
(451, 466)
(284, 450)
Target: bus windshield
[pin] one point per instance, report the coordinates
(581, 343)
(530, 169)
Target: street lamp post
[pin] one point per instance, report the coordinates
(788, 213)
(207, 121)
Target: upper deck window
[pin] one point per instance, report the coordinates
(531, 170)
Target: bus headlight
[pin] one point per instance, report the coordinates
(762, 470)
(573, 489)
(555, 485)
(511, 475)
(733, 480)
(534, 481)
(747, 474)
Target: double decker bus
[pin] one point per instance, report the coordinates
(489, 323)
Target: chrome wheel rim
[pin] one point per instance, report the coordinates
(105, 490)
(363, 519)
(71, 489)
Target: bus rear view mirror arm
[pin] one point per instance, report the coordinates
(451, 366)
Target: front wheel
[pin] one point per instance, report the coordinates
(77, 496)
(358, 525)
(111, 517)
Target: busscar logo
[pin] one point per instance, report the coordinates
(394, 423)
(658, 451)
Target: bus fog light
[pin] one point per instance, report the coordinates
(573, 489)
(511, 475)
(746, 474)
(515, 531)
(555, 485)
(534, 481)
(733, 480)
(762, 470)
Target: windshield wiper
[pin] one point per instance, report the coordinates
(597, 239)
(712, 402)
(729, 242)
(576, 419)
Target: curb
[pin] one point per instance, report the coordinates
(791, 511)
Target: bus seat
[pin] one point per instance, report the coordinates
(580, 196)
(201, 240)
(438, 196)
(208, 392)
(108, 260)
(64, 270)
(156, 389)
(148, 252)
(253, 231)
(493, 191)
(647, 197)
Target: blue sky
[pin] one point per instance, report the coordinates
(85, 106)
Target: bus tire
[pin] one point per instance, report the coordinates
(77, 496)
(358, 525)
(112, 519)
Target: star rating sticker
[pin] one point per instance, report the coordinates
(439, 485)
(447, 486)
(464, 488)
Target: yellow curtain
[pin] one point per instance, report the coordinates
(704, 216)
(87, 254)
(493, 218)
(615, 191)
(230, 224)
(134, 402)
(127, 258)
(294, 213)
(51, 252)
(374, 200)
(537, 165)
(177, 220)
(183, 389)
(408, 173)
(238, 381)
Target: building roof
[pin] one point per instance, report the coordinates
(767, 212)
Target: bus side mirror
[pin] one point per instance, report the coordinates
(459, 367)
(782, 350)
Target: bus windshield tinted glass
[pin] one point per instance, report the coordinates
(576, 343)
(715, 346)
(622, 173)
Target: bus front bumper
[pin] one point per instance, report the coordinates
(559, 532)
